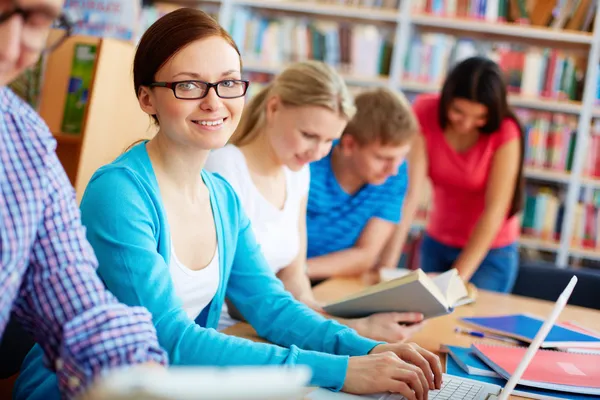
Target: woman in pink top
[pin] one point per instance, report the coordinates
(471, 148)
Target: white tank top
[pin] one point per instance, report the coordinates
(195, 288)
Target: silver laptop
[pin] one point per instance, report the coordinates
(457, 388)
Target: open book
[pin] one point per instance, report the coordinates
(413, 292)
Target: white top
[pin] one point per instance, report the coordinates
(195, 288)
(276, 230)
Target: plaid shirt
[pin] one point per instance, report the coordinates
(48, 269)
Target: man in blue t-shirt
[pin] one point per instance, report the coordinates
(357, 190)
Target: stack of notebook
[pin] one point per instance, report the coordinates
(562, 369)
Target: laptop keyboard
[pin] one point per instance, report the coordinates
(452, 389)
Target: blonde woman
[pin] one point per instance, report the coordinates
(289, 124)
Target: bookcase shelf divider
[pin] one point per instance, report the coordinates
(583, 133)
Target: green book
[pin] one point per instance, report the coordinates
(78, 91)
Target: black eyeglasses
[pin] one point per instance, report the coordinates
(42, 31)
(194, 90)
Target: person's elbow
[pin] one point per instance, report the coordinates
(495, 215)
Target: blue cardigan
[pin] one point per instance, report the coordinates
(127, 226)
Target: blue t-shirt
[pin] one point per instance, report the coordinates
(335, 219)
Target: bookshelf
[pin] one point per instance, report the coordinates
(112, 119)
(407, 19)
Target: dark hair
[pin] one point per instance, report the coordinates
(480, 80)
(167, 36)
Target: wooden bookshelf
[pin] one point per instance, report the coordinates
(113, 119)
(509, 30)
(324, 9)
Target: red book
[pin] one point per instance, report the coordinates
(553, 370)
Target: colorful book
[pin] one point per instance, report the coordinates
(452, 368)
(524, 327)
(469, 362)
(549, 369)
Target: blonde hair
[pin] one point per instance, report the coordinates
(306, 83)
(382, 116)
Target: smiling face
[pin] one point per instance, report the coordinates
(15, 57)
(466, 117)
(300, 135)
(205, 123)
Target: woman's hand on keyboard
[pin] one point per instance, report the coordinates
(412, 353)
(385, 372)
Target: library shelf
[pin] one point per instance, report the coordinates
(584, 252)
(502, 29)
(545, 104)
(548, 175)
(591, 182)
(325, 9)
(538, 243)
(516, 100)
(257, 66)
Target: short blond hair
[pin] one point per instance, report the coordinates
(382, 116)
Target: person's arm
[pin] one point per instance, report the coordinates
(499, 193)
(62, 302)
(294, 276)
(360, 258)
(122, 228)
(417, 175)
(278, 317)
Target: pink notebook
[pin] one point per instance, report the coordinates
(554, 370)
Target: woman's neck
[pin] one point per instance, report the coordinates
(344, 172)
(180, 165)
(261, 157)
(461, 142)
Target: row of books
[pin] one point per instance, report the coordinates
(384, 4)
(531, 71)
(557, 14)
(358, 49)
(543, 213)
(549, 139)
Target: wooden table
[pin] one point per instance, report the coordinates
(438, 331)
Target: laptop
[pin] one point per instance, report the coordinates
(456, 388)
(204, 383)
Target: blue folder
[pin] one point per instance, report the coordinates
(452, 368)
(469, 362)
(525, 327)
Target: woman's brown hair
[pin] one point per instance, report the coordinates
(167, 36)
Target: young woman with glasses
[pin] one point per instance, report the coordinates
(173, 238)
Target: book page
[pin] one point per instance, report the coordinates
(451, 286)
